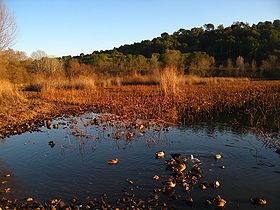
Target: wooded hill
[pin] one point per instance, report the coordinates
(212, 51)
(254, 42)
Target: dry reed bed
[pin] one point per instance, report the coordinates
(247, 103)
(18, 108)
(11, 102)
(8, 94)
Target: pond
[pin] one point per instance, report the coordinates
(76, 163)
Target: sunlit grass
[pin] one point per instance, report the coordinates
(42, 83)
(8, 93)
(246, 103)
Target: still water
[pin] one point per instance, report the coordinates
(77, 164)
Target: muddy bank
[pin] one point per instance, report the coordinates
(17, 118)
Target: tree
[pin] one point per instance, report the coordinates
(164, 35)
(199, 63)
(76, 69)
(38, 55)
(173, 58)
(15, 70)
(221, 27)
(154, 63)
(240, 63)
(240, 66)
(8, 28)
(12, 66)
(209, 26)
(43, 63)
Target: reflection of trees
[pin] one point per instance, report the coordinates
(270, 140)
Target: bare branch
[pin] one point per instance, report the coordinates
(8, 28)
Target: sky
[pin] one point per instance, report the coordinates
(71, 27)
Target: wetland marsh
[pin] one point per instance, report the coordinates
(184, 120)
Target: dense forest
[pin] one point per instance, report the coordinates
(239, 50)
(254, 42)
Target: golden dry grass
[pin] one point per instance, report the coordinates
(249, 103)
(170, 80)
(195, 80)
(8, 93)
(42, 83)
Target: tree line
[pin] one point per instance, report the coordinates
(254, 42)
(236, 50)
(239, 50)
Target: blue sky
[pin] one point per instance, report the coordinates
(71, 27)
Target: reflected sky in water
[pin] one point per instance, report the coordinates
(77, 164)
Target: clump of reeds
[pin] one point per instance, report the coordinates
(196, 80)
(8, 93)
(170, 80)
(43, 83)
(78, 83)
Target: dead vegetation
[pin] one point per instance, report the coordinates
(253, 104)
(177, 100)
(8, 93)
(170, 79)
(41, 83)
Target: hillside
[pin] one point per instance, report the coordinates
(254, 50)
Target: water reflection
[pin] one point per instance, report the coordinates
(11, 186)
(77, 163)
(2, 141)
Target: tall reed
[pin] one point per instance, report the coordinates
(45, 83)
(170, 80)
